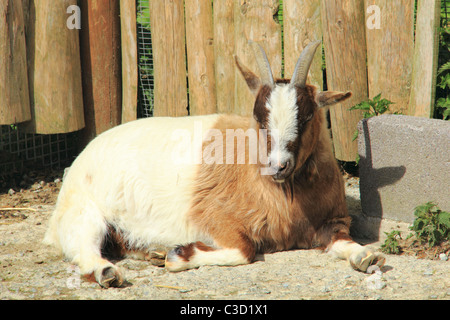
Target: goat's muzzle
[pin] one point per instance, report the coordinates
(281, 171)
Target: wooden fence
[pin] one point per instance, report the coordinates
(370, 47)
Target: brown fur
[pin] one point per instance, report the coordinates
(240, 208)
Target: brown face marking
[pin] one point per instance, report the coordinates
(260, 111)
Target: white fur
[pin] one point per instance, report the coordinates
(358, 256)
(219, 257)
(127, 178)
(343, 249)
(282, 121)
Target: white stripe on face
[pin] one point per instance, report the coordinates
(282, 121)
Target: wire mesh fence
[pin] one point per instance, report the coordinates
(145, 58)
(18, 149)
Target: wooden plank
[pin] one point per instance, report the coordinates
(200, 57)
(425, 63)
(345, 54)
(129, 60)
(100, 54)
(390, 52)
(169, 57)
(54, 69)
(224, 49)
(302, 25)
(254, 20)
(14, 95)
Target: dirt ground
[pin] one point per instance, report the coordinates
(31, 271)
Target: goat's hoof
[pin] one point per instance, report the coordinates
(157, 258)
(362, 260)
(110, 277)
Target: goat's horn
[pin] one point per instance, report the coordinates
(263, 64)
(303, 64)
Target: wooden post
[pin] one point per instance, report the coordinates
(345, 54)
(14, 96)
(54, 70)
(425, 63)
(302, 25)
(169, 57)
(200, 56)
(224, 49)
(100, 54)
(254, 21)
(390, 51)
(129, 60)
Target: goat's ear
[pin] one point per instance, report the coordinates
(328, 98)
(253, 81)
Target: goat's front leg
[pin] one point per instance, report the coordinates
(198, 254)
(359, 257)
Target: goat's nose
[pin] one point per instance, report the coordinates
(281, 168)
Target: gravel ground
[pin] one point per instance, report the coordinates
(31, 271)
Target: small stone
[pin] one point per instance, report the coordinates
(375, 282)
(443, 257)
(372, 269)
(428, 272)
(11, 192)
(57, 180)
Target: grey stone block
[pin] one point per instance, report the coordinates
(404, 162)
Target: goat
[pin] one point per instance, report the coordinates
(125, 187)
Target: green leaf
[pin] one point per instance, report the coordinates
(355, 135)
(361, 106)
(444, 67)
(444, 219)
(377, 97)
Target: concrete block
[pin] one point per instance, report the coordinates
(404, 162)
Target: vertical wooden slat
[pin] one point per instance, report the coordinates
(54, 70)
(423, 88)
(390, 52)
(129, 60)
(302, 25)
(254, 20)
(224, 49)
(200, 56)
(100, 53)
(345, 54)
(169, 57)
(14, 95)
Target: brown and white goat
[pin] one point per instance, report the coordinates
(130, 190)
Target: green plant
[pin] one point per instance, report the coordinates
(442, 102)
(432, 225)
(391, 244)
(371, 108)
(443, 83)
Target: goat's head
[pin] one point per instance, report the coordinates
(287, 109)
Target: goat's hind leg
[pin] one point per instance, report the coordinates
(82, 237)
